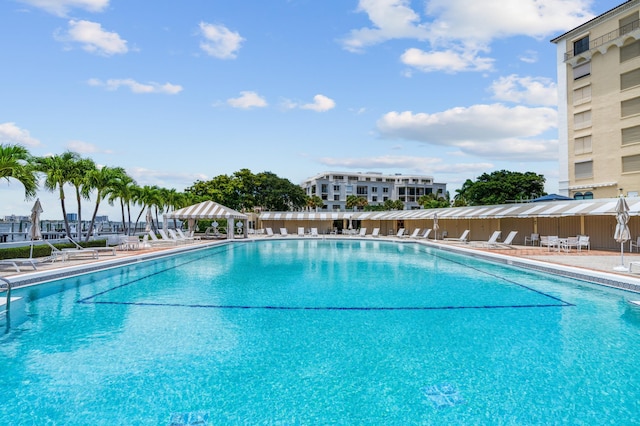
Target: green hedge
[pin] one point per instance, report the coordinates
(42, 250)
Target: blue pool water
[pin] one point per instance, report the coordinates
(321, 332)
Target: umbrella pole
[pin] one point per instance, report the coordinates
(621, 268)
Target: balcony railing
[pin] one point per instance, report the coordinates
(607, 38)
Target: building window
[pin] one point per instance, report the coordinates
(337, 177)
(628, 23)
(362, 190)
(630, 107)
(324, 197)
(582, 145)
(335, 207)
(578, 196)
(336, 188)
(323, 188)
(582, 70)
(582, 119)
(374, 189)
(588, 195)
(582, 94)
(336, 197)
(631, 164)
(581, 45)
(385, 190)
(631, 135)
(374, 199)
(630, 51)
(584, 170)
(630, 79)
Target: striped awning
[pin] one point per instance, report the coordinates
(596, 207)
(206, 210)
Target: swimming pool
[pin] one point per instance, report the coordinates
(321, 332)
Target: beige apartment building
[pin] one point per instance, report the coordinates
(599, 105)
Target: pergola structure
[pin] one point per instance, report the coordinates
(210, 210)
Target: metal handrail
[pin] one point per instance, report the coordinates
(8, 283)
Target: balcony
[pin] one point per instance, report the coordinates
(605, 40)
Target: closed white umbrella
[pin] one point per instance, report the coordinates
(35, 233)
(148, 220)
(622, 233)
(435, 225)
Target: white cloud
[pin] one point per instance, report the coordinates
(85, 148)
(391, 19)
(423, 165)
(136, 87)
(93, 38)
(491, 131)
(320, 103)
(454, 32)
(164, 179)
(62, 7)
(529, 57)
(446, 60)
(526, 90)
(219, 41)
(13, 135)
(247, 100)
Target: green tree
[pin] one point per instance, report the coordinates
(433, 201)
(501, 187)
(58, 170)
(393, 205)
(314, 202)
(79, 173)
(103, 181)
(124, 190)
(16, 163)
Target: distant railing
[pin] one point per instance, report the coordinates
(607, 38)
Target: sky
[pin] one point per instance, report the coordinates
(180, 91)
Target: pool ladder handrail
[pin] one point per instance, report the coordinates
(8, 283)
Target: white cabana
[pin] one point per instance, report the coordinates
(211, 210)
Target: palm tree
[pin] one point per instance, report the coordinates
(57, 170)
(79, 179)
(124, 190)
(16, 163)
(144, 196)
(103, 181)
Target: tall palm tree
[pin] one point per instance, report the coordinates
(17, 163)
(144, 196)
(57, 170)
(79, 179)
(103, 181)
(124, 190)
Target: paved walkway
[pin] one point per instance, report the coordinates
(597, 261)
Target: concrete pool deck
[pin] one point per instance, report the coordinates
(592, 265)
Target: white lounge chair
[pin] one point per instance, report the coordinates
(375, 232)
(164, 237)
(414, 234)
(583, 241)
(269, 232)
(300, 231)
(155, 241)
(65, 254)
(425, 234)
(283, 232)
(633, 244)
(175, 237)
(363, 232)
(17, 262)
(400, 233)
(507, 243)
(461, 239)
(314, 232)
(189, 237)
(109, 249)
(550, 241)
(492, 241)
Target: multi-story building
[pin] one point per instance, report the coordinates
(599, 105)
(376, 188)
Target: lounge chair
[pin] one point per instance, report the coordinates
(189, 237)
(492, 241)
(400, 233)
(414, 234)
(65, 254)
(633, 244)
(363, 232)
(300, 231)
(507, 243)
(314, 232)
(17, 262)
(461, 239)
(283, 232)
(269, 232)
(375, 232)
(175, 237)
(550, 241)
(109, 249)
(534, 239)
(164, 237)
(154, 240)
(425, 234)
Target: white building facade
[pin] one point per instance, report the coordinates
(376, 188)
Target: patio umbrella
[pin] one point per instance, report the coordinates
(435, 225)
(622, 233)
(34, 232)
(148, 220)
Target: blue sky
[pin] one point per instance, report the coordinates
(176, 91)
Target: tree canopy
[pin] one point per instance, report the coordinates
(500, 187)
